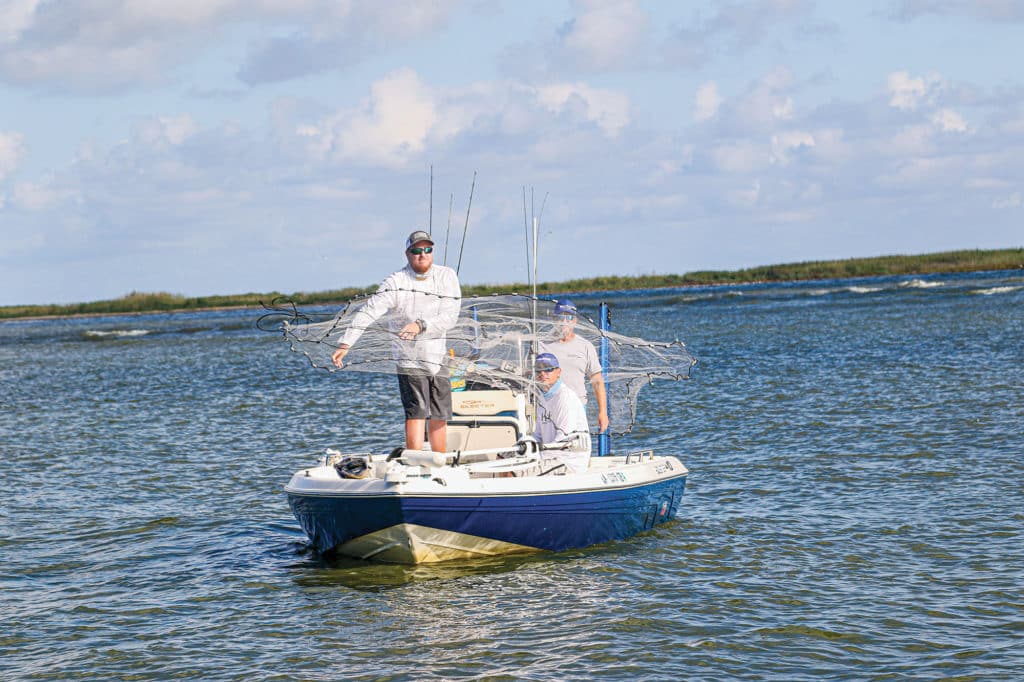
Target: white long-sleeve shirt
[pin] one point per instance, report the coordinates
(561, 417)
(405, 296)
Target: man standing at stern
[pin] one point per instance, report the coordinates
(578, 359)
(422, 302)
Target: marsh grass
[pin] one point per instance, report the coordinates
(949, 261)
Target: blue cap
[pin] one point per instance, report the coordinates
(565, 307)
(546, 361)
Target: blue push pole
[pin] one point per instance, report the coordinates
(604, 441)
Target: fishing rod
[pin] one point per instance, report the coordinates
(465, 228)
(526, 231)
(534, 346)
(451, 207)
(536, 241)
(536, 246)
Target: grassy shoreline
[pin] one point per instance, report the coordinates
(948, 261)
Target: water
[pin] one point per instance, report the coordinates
(854, 510)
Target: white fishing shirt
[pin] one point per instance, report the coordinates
(561, 417)
(405, 296)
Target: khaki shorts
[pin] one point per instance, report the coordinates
(426, 396)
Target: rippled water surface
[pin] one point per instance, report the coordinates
(854, 508)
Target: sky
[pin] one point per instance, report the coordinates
(201, 147)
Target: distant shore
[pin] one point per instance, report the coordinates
(948, 261)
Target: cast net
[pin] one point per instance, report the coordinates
(491, 344)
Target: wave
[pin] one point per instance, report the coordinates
(996, 290)
(863, 290)
(921, 284)
(114, 333)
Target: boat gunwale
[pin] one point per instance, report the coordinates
(404, 493)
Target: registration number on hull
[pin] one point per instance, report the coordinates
(663, 466)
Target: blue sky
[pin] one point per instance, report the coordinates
(225, 146)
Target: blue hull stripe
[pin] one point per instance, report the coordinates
(548, 522)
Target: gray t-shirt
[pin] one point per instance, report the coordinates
(579, 362)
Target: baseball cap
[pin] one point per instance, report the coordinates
(565, 307)
(418, 236)
(546, 361)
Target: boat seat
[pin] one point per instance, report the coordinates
(481, 433)
(483, 403)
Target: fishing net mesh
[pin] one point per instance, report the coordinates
(491, 345)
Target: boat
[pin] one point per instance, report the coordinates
(494, 491)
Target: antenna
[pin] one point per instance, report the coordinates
(430, 210)
(465, 228)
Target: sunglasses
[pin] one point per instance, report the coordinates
(545, 370)
(417, 250)
(568, 317)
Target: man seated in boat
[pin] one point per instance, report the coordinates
(561, 418)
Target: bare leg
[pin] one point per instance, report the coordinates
(414, 434)
(438, 435)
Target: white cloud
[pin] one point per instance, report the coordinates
(907, 93)
(32, 196)
(606, 108)
(403, 116)
(745, 197)
(738, 157)
(168, 130)
(15, 17)
(988, 10)
(830, 145)
(733, 27)
(924, 171)
(749, 21)
(785, 143)
(988, 183)
(330, 35)
(332, 191)
(706, 101)
(11, 151)
(212, 197)
(783, 109)
(389, 128)
(394, 124)
(600, 36)
(948, 120)
(1013, 126)
(118, 44)
(605, 35)
(1012, 201)
(768, 102)
(915, 140)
